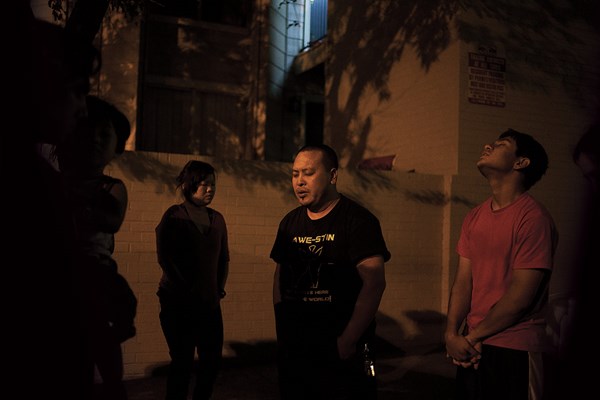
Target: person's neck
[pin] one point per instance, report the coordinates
(325, 207)
(505, 193)
(199, 215)
(191, 204)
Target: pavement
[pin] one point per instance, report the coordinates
(249, 373)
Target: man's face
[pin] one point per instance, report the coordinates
(311, 180)
(498, 156)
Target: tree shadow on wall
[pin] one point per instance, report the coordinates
(368, 55)
(539, 42)
(148, 167)
(435, 198)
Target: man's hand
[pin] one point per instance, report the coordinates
(462, 352)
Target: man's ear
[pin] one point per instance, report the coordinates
(522, 162)
(334, 176)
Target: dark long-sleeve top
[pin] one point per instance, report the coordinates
(194, 264)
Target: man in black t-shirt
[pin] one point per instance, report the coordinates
(330, 256)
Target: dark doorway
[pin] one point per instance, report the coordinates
(313, 122)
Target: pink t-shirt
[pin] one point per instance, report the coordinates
(521, 235)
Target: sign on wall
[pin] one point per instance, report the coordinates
(486, 80)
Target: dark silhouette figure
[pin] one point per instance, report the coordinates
(46, 335)
(574, 377)
(98, 203)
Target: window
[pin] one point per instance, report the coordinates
(227, 12)
(318, 19)
(193, 122)
(195, 83)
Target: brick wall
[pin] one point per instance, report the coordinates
(420, 216)
(254, 196)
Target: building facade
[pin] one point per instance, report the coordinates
(417, 86)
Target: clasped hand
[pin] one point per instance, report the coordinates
(462, 352)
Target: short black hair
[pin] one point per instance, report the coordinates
(192, 174)
(528, 147)
(330, 158)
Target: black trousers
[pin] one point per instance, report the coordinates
(309, 366)
(187, 332)
(103, 340)
(502, 374)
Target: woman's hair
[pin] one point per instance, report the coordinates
(192, 174)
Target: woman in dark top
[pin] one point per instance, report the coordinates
(193, 253)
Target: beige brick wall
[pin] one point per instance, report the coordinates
(392, 104)
(420, 216)
(431, 127)
(254, 196)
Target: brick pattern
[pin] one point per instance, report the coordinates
(420, 216)
(254, 196)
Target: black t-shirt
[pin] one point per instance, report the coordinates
(318, 258)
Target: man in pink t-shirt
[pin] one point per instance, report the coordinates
(496, 329)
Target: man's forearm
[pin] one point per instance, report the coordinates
(365, 309)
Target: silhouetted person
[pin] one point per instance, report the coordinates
(576, 376)
(45, 334)
(98, 203)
